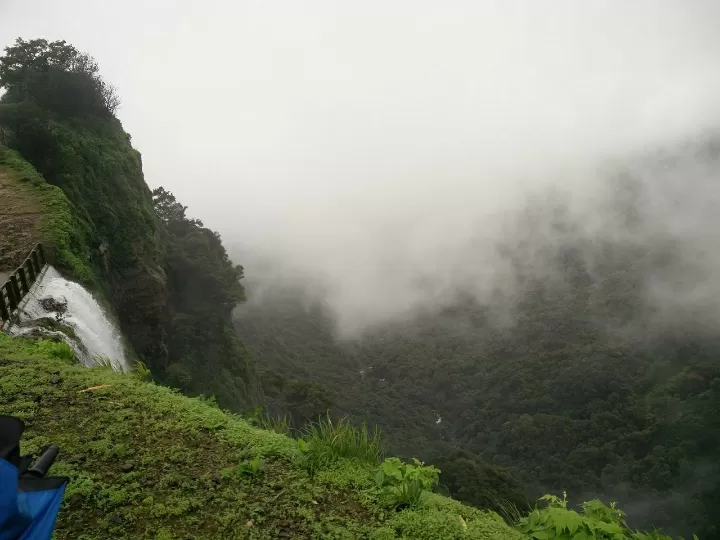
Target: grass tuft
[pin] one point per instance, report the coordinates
(276, 424)
(330, 441)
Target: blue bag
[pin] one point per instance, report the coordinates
(29, 500)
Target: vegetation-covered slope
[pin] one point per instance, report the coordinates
(146, 462)
(102, 227)
(204, 355)
(57, 112)
(52, 219)
(634, 422)
(591, 387)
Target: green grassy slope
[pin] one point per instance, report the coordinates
(146, 462)
(63, 236)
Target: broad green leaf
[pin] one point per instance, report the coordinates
(379, 478)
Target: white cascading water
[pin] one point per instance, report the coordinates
(98, 335)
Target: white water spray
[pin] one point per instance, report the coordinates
(98, 336)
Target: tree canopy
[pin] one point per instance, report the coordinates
(204, 354)
(57, 77)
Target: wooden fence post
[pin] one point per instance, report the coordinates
(23, 281)
(31, 270)
(13, 294)
(18, 285)
(36, 261)
(4, 313)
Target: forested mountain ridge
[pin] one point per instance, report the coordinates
(140, 253)
(589, 378)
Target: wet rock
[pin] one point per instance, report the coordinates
(55, 379)
(127, 467)
(54, 305)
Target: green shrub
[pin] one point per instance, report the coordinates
(252, 468)
(402, 485)
(141, 372)
(596, 522)
(482, 485)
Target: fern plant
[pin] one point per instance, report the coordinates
(597, 521)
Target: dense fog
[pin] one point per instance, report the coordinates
(378, 153)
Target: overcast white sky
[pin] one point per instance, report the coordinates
(338, 134)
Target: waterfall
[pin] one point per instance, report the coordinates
(54, 297)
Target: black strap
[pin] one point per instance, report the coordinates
(29, 483)
(11, 429)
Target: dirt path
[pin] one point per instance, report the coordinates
(19, 224)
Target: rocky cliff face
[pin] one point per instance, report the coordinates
(102, 176)
(141, 299)
(106, 234)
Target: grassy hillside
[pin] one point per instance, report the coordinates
(35, 211)
(146, 462)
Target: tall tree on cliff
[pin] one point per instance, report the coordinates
(57, 77)
(204, 354)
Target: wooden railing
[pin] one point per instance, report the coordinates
(19, 283)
